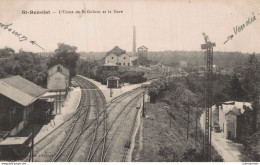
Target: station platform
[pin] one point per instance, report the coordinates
(15, 147)
(15, 141)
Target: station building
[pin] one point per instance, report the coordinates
(58, 78)
(58, 82)
(19, 100)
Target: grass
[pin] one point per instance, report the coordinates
(162, 142)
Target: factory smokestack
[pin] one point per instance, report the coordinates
(134, 41)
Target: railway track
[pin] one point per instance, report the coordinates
(69, 148)
(115, 121)
(127, 108)
(92, 127)
(97, 147)
(43, 147)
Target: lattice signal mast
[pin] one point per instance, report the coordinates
(208, 95)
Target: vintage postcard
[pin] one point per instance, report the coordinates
(130, 81)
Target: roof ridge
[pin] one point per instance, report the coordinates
(27, 81)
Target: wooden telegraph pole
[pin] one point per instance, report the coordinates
(196, 115)
(208, 46)
(188, 123)
(32, 145)
(143, 105)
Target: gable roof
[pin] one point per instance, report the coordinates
(142, 47)
(65, 66)
(113, 78)
(134, 58)
(20, 90)
(236, 107)
(116, 51)
(64, 73)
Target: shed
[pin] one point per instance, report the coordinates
(113, 82)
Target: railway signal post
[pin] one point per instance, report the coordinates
(208, 46)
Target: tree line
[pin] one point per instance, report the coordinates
(34, 66)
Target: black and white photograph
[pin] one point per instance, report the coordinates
(130, 81)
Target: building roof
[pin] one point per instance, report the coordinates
(143, 47)
(20, 90)
(139, 57)
(64, 74)
(116, 51)
(236, 107)
(134, 58)
(65, 66)
(113, 78)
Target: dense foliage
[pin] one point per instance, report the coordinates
(33, 66)
(66, 55)
(26, 64)
(183, 93)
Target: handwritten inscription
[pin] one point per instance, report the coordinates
(15, 33)
(240, 28)
(8, 27)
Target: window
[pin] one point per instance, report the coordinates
(119, 64)
(59, 69)
(128, 64)
(112, 57)
(124, 63)
(124, 57)
(116, 63)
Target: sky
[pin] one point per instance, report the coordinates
(160, 24)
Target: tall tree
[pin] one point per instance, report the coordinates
(236, 92)
(6, 52)
(66, 55)
(252, 76)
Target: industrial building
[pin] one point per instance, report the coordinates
(118, 57)
(141, 59)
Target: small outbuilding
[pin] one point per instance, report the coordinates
(113, 82)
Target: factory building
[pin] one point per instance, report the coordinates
(118, 57)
